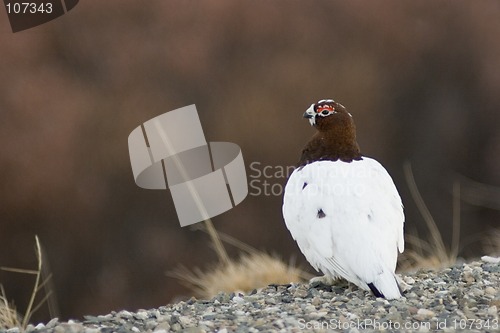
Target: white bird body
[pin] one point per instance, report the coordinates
(347, 219)
(362, 229)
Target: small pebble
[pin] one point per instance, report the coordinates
(425, 314)
(409, 280)
(493, 311)
(491, 260)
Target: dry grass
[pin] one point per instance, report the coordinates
(8, 315)
(254, 269)
(431, 254)
(251, 271)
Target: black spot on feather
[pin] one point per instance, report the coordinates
(375, 290)
(304, 186)
(321, 214)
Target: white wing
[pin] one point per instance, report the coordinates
(347, 219)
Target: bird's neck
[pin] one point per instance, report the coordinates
(332, 144)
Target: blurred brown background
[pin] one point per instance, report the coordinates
(420, 78)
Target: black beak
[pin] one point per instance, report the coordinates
(307, 115)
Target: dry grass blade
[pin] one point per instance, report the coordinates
(41, 302)
(455, 240)
(426, 214)
(8, 315)
(19, 270)
(483, 195)
(480, 194)
(437, 255)
(29, 311)
(420, 255)
(219, 248)
(228, 239)
(38, 285)
(49, 288)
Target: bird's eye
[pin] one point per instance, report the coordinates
(325, 110)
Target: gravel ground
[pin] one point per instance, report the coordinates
(461, 298)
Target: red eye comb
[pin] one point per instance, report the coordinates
(321, 108)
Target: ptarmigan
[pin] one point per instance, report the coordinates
(343, 208)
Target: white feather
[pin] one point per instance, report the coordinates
(362, 230)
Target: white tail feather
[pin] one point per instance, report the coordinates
(387, 285)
